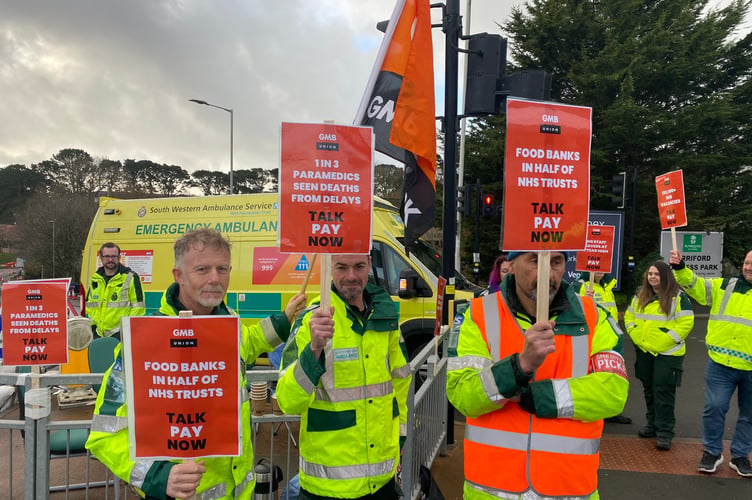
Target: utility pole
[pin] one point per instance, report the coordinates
(451, 31)
(630, 257)
(476, 248)
(463, 133)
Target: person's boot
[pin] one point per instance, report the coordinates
(663, 443)
(646, 432)
(619, 419)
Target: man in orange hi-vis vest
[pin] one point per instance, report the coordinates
(535, 391)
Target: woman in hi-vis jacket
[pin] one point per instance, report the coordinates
(658, 320)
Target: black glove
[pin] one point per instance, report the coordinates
(679, 266)
(526, 401)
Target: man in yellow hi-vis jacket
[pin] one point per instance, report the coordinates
(114, 292)
(729, 369)
(202, 274)
(535, 391)
(345, 371)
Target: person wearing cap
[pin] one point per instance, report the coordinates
(535, 391)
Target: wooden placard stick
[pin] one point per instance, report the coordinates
(673, 238)
(188, 314)
(544, 277)
(326, 281)
(308, 274)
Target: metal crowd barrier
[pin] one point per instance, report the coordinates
(426, 413)
(28, 470)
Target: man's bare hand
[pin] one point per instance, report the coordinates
(322, 329)
(295, 306)
(539, 343)
(184, 478)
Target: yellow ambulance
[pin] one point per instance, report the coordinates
(262, 278)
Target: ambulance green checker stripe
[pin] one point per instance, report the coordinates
(256, 306)
(730, 352)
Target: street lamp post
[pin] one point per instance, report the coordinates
(53, 246)
(229, 110)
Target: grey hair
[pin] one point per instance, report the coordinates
(199, 239)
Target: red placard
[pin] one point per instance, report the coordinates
(547, 176)
(672, 208)
(596, 258)
(35, 322)
(440, 294)
(183, 386)
(325, 188)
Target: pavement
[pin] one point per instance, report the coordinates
(631, 467)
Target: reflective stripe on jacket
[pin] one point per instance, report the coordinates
(654, 332)
(352, 401)
(510, 453)
(225, 477)
(603, 293)
(109, 300)
(729, 337)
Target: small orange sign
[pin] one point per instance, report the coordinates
(272, 266)
(547, 176)
(597, 254)
(35, 322)
(325, 188)
(440, 297)
(672, 208)
(182, 385)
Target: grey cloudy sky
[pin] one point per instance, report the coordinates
(113, 77)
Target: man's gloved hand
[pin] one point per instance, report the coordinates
(676, 261)
(526, 401)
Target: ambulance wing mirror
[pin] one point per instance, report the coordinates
(412, 285)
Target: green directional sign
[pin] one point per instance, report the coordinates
(692, 243)
(702, 251)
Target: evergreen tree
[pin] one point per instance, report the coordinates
(17, 185)
(669, 84)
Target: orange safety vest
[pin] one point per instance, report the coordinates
(513, 451)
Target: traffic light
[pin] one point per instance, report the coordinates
(618, 183)
(464, 197)
(489, 205)
(486, 61)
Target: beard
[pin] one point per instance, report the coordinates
(351, 291)
(211, 301)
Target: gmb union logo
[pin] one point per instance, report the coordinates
(142, 211)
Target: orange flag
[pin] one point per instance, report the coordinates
(399, 104)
